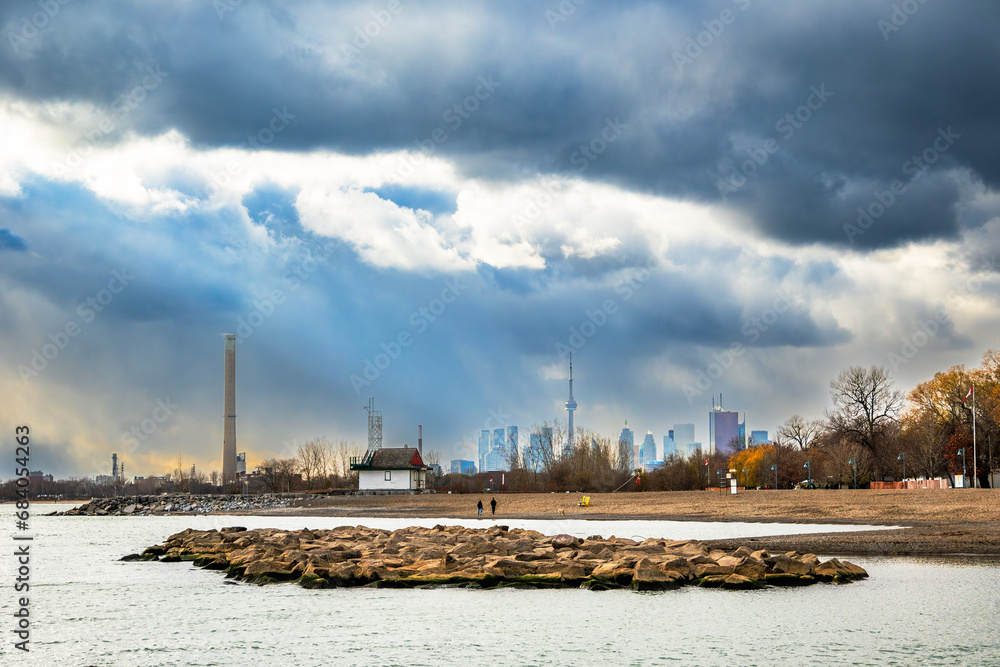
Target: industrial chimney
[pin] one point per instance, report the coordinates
(229, 422)
(420, 440)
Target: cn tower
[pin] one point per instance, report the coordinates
(570, 407)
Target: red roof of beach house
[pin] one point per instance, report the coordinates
(397, 458)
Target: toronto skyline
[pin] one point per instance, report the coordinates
(436, 206)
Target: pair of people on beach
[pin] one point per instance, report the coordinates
(493, 506)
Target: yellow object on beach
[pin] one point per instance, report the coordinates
(585, 502)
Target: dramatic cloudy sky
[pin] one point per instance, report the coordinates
(678, 182)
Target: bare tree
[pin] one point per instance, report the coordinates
(866, 407)
(924, 444)
(625, 459)
(269, 472)
(312, 458)
(279, 474)
(799, 432)
(179, 476)
(288, 469)
(341, 456)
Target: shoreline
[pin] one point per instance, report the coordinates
(949, 523)
(946, 523)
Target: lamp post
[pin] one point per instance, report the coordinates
(962, 452)
(808, 474)
(902, 457)
(775, 469)
(854, 465)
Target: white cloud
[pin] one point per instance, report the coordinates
(384, 234)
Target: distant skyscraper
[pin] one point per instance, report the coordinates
(683, 434)
(759, 438)
(512, 443)
(669, 446)
(647, 452)
(692, 448)
(484, 447)
(499, 439)
(723, 430)
(462, 467)
(626, 446)
(229, 426)
(570, 408)
(241, 463)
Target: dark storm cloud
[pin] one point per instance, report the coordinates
(536, 93)
(649, 311)
(158, 277)
(9, 241)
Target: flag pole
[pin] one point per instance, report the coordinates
(975, 476)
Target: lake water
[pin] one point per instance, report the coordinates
(89, 609)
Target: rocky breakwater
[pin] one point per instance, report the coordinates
(486, 558)
(177, 503)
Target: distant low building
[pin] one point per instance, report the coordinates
(391, 468)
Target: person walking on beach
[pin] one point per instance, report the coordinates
(479, 507)
(493, 505)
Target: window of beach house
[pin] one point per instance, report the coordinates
(388, 475)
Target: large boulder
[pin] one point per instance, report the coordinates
(358, 556)
(564, 541)
(651, 579)
(784, 564)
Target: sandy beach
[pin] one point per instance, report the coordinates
(935, 522)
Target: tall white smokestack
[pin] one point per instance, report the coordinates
(420, 440)
(229, 423)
